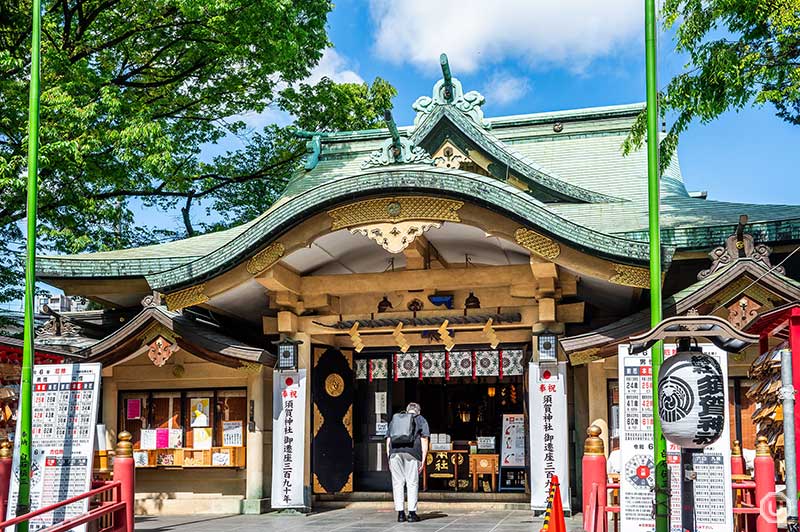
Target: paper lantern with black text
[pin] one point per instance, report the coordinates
(691, 399)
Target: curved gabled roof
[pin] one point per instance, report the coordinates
(399, 179)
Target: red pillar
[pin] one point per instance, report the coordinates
(6, 455)
(764, 469)
(124, 472)
(594, 474)
(794, 346)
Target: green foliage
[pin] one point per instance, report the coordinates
(131, 90)
(741, 52)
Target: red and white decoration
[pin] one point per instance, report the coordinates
(462, 363)
(548, 431)
(288, 439)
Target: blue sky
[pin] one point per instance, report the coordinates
(528, 57)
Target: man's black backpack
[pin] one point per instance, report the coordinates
(403, 429)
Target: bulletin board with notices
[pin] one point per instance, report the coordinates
(186, 428)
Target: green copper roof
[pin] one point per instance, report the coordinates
(134, 262)
(574, 156)
(322, 194)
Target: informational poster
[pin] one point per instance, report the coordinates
(380, 403)
(147, 439)
(512, 448)
(64, 418)
(201, 438)
(175, 438)
(548, 432)
(162, 438)
(288, 439)
(381, 428)
(221, 458)
(198, 407)
(232, 433)
(713, 484)
(133, 408)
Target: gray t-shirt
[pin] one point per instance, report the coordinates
(423, 431)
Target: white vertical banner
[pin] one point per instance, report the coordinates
(63, 435)
(548, 432)
(713, 485)
(288, 439)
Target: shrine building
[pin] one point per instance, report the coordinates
(438, 263)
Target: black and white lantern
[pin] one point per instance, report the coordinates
(691, 399)
(287, 354)
(547, 344)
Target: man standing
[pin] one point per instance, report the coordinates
(407, 448)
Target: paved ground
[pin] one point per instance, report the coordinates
(355, 520)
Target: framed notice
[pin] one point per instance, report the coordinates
(63, 436)
(201, 438)
(548, 432)
(231, 433)
(147, 439)
(133, 409)
(713, 501)
(198, 409)
(512, 453)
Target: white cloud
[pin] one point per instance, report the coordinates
(504, 88)
(475, 33)
(334, 66)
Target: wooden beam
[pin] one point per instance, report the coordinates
(571, 312)
(544, 270)
(415, 254)
(547, 310)
(442, 280)
(279, 278)
(568, 283)
(287, 322)
(322, 302)
(527, 290)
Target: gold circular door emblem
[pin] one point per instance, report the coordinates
(334, 385)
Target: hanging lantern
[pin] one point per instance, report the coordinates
(287, 354)
(691, 398)
(547, 342)
(490, 391)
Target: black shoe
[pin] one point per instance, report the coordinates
(413, 517)
(401, 517)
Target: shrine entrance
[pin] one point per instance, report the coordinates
(476, 416)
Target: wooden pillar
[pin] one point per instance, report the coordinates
(256, 501)
(598, 400)
(110, 407)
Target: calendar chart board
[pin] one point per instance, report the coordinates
(64, 417)
(713, 502)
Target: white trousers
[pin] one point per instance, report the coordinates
(405, 473)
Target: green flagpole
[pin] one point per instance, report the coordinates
(653, 177)
(23, 503)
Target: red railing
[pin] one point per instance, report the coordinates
(110, 502)
(116, 507)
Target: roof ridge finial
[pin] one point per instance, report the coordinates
(448, 91)
(396, 149)
(740, 245)
(447, 76)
